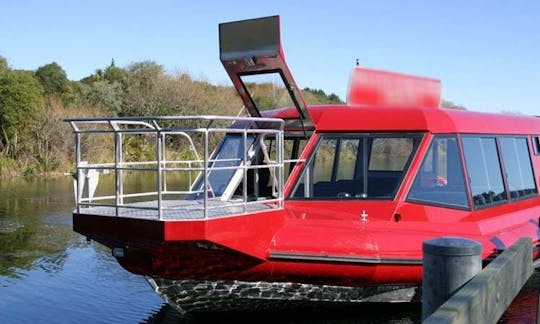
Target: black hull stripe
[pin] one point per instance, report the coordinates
(300, 257)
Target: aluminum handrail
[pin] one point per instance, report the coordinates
(123, 126)
(136, 120)
(167, 118)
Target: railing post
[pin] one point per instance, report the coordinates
(205, 182)
(159, 171)
(119, 192)
(281, 176)
(245, 170)
(78, 173)
(448, 263)
(164, 158)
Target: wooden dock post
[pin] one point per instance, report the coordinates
(487, 296)
(448, 263)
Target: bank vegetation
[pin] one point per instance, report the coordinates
(34, 140)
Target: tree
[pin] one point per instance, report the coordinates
(115, 74)
(105, 95)
(334, 98)
(141, 91)
(97, 76)
(53, 79)
(318, 96)
(21, 106)
(3, 64)
(451, 105)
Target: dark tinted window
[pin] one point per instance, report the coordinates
(230, 154)
(536, 144)
(517, 165)
(357, 166)
(292, 147)
(484, 170)
(390, 154)
(440, 180)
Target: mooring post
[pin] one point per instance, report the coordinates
(448, 263)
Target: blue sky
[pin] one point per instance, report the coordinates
(487, 53)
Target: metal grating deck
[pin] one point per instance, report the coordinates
(180, 209)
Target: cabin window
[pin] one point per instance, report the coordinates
(292, 148)
(267, 90)
(440, 180)
(517, 166)
(484, 170)
(536, 144)
(369, 166)
(230, 154)
(262, 181)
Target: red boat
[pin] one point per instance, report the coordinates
(307, 203)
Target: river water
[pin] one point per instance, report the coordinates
(50, 274)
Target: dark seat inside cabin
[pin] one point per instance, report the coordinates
(380, 185)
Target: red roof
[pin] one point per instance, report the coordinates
(342, 118)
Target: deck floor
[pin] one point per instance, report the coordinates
(180, 209)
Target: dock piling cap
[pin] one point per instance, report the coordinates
(452, 246)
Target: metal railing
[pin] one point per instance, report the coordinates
(199, 136)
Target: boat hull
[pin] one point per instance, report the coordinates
(219, 249)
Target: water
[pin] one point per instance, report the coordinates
(50, 274)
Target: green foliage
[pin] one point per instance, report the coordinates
(141, 95)
(97, 76)
(105, 95)
(21, 105)
(267, 95)
(451, 105)
(3, 64)
(73, 94)
(318, 96)
(8, 167)
(115, 74)
(104, 89)
(139, 148)
(53, 79)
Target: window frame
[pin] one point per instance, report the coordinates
(505, 175)
(536, 144)
(420, 136)
(501, 170)
(509, 199)
(468, 206)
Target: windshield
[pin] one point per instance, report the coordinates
(229, 154)
(357, 166)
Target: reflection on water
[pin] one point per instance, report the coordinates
(81, 284)
(49, 274)
(343, 314)
(29, 213)
(524, 307)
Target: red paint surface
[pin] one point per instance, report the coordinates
(383, 88)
